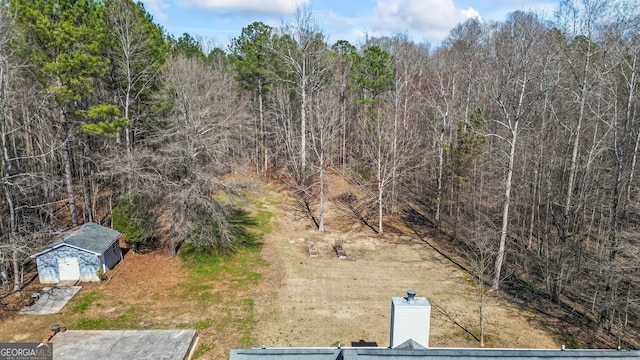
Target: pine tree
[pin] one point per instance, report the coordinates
(63, 43)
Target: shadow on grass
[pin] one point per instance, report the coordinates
(358, 208)
(238, 264)
(240, 230)
(568, 326)
(416, 218)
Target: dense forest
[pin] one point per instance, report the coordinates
(517, 139)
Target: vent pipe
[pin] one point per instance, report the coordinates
(411, 296)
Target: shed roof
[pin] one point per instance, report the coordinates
(90, 237)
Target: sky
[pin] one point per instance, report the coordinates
(430, 21)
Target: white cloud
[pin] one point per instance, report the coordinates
(428, 20)
(334, 19)
(247, 6)
(497, 10)
(157, 9)
(471, 13)
(339, 27)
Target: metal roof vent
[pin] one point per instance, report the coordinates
(410, 320)
(411, 296)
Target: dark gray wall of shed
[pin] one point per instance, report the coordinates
(112, 255)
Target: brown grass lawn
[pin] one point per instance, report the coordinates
(277, 295)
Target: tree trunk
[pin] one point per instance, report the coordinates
(15, 259)
(632, 170)
(88, 210)
(394, 148)
(343, 119)
(127, 130)
(513, 128)
(68, 174)
(440, 174)
(321, 210)
(68, 179)
(6, 163)
(172, 247)
(481, 313)
(4, 275)
(505, 208)
(380, 190)
(380, 185)
(576, 140)
(7, 170)
(263, 135)
(615, 211)
(303, 120)
(631, 86)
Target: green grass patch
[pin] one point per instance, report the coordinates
(203, 324)
(239, 317)
(247, 325)
(198, 325)
(84, 301)
(198, 291)
(239, 267)
(259, 218)
(198, 287)
(240, 264)
(263, 221)
(128, 320)
(234, 271)
(201, 350)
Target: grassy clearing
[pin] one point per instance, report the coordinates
(238, 268)
(263, 221)
(258, 208)
(223, 282)
(84, 301)
(128, 319)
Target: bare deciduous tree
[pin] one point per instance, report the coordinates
(303, 58)
(183, 165)
(324, 128)
(517, 65)
(136, 56)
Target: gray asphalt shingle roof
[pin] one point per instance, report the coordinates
(432, 353)
(92, 237)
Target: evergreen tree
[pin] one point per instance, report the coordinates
(137, 51)
(375, 75)
(252, 59)
(63, 41)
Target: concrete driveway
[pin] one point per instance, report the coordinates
(52, 300)
(124, 344)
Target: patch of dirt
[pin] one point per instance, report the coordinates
(322, 301)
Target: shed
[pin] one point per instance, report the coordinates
(79, 255)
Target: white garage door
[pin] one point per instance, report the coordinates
(69, 269)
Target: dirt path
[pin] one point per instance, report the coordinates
(322, 301)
